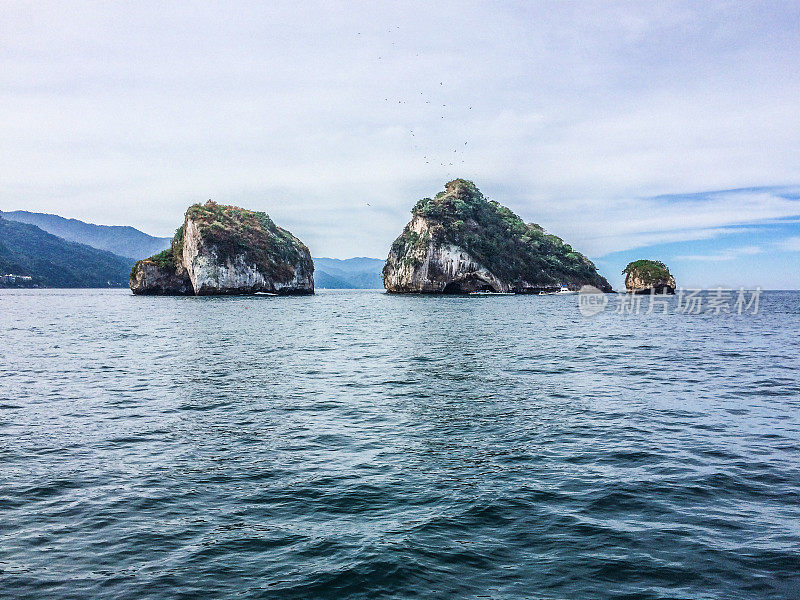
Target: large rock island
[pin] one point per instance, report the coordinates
(226, 250)
(648, 276)
(460, 242)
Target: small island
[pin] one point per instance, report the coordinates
(226, 250)
(459, 242)
(647, 277)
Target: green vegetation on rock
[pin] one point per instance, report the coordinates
(168, 259)
(496, 237)
(233, 230)
(649, 271)
(226, 250)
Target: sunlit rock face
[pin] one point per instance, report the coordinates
(227, 250)
(436, 268)
(460, 242)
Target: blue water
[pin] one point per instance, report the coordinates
(362, 445)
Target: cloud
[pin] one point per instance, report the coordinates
(593, 119)
(613, 225)
(723, 255)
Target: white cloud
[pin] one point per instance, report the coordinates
(723, 255)
(605, 226)
(576, 115)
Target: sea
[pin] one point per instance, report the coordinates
(359, 445)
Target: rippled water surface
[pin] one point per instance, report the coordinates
(361, 445)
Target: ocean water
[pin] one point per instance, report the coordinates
(361, 445)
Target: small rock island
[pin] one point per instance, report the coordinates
(648, 276)
(460, 242)
(226, 250)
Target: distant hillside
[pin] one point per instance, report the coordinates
(124, 241)
(358, 273)
(53, 262)
(121, 240)
(323, 281)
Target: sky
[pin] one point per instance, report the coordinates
(666, 130)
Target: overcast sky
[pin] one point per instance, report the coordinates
(664, 130)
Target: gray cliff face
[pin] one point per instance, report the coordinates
(227, 250)
(431, 268)
(214, 271)
(635, 283)
(151, 279)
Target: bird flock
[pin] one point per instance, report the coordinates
(425, 137)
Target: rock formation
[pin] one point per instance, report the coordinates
(460, 242)
(161, 275)
(648, 276)
(226, 250)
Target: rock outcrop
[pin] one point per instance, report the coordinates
(161, 275)
(460, 242)
(226, 250)
(648, 276)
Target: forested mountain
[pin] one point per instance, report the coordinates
(119, 239)
(54, 262)
(363, 273)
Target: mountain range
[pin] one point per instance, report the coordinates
(52, 261)
(352, 273)
(122, 240)
(59, 252)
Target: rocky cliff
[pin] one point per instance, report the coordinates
(227, 250)
(459, 242)
(648, 276)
